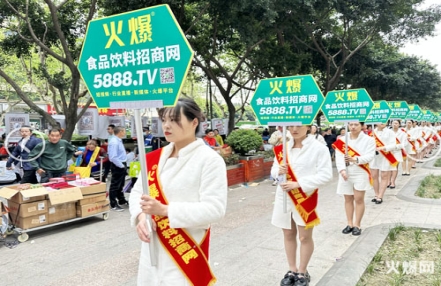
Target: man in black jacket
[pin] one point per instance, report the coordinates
(330, 139)
(21, 152)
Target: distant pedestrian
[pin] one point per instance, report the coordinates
(20, 155)
(52, 157)
(118, 160)
(107, 165)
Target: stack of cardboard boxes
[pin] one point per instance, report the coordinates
(41, 206)
(94, 200)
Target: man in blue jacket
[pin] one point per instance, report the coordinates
(21, 152)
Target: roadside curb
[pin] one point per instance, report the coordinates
(355, 260)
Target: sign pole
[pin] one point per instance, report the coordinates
(346, 145)
(285, 195)
(143, 177)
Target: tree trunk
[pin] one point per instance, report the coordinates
(231, 115)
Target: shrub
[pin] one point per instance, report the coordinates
(243, 141)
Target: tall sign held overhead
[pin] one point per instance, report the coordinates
(380, 113)
(400, 109)
(415, 112)
(141, 55)
(347, 105)
(293, 100)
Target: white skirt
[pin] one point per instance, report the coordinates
(281, 219)
(381, 163)
(358, 180)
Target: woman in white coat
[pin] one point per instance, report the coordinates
(411, 149)
(309, 168)
(399, 152)
(188, 192)
(355, 177)
(384, 161)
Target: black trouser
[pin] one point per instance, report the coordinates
(51, 174)
(29, 177)
(106, 167)
(117, 184)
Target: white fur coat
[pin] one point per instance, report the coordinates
(195, 185)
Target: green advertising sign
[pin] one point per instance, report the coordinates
(428, 116)
(293, 100)
(380, 113)
(135, 57)
(414, 113)
(400, 109)
(347, 105)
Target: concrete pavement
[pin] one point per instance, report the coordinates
(245, 248)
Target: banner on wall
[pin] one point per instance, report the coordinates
(13, 122)
(156, 127)
(88, 123)
(61, 119)
(117, 120)
(219, 124)
(132, 125)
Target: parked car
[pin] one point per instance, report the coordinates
(253, 127)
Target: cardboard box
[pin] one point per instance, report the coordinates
(28, 209)
(60, 212)
(91, 209)
(26, 196)
(90, 199)
(29, 222)
(32, 195)
(93, 189)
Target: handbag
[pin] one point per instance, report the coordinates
(134, 169)
(84, 172)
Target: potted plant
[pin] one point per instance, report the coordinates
(244, 141)
(247, 143)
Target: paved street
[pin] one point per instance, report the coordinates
(246, 248)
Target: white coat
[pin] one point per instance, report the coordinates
(195, 185)
(357, 177)
(388, 138)
(402, 137)
(313, 169)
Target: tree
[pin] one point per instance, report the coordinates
(338, 30)
(54, 30)
(389, 75)
(223, 34)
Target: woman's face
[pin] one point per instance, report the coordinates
(298, 132)
(313, 129)
(355, 127)
(174, 132)
(395, 124)
(91, 146)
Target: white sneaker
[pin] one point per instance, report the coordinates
(274, 183)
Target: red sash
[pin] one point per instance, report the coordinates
(304, 204)
(340, 146)
(411, 142)
(191, 258)
(427, 139)
(388, 155)
(403, 153)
